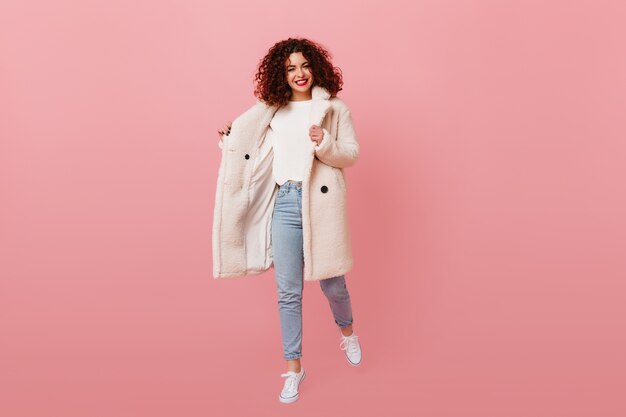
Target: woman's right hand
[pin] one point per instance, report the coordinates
(225, 130)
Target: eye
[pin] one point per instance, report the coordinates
(304, 66)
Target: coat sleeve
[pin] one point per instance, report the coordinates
(344, 151)
(221, 143)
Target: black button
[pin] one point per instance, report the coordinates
(324, 189)
(247, 156)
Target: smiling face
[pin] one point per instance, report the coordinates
(298, 69)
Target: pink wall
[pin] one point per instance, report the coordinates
(487, 210)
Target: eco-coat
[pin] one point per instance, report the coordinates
(246, 193)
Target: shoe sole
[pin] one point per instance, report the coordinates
(295, 397)
(352, 363)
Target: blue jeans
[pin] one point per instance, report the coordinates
(288, 270)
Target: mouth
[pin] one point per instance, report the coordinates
(302, 82)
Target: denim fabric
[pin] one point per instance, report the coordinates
(288, 271)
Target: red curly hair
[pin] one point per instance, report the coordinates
(271, 79)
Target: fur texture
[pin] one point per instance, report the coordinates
(246, 192)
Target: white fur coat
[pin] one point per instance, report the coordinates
(246, 192)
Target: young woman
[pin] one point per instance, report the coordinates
(281, 197)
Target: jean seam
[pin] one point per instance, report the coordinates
(299, 197)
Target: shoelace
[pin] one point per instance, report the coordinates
(291, 381)
(349, 343)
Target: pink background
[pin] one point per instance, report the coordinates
(487, 210)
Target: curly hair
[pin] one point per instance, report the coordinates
(272, 87)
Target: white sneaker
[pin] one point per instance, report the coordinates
(289, 393)
(352, 347)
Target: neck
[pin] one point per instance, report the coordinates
(298, 96)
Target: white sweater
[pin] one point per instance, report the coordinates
(289, 137)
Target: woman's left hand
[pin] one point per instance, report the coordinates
(316, 133)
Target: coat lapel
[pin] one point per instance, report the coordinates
(319, 105)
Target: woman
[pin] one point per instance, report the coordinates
(281, 195)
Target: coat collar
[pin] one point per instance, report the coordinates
(320, 104)
(319, 107)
